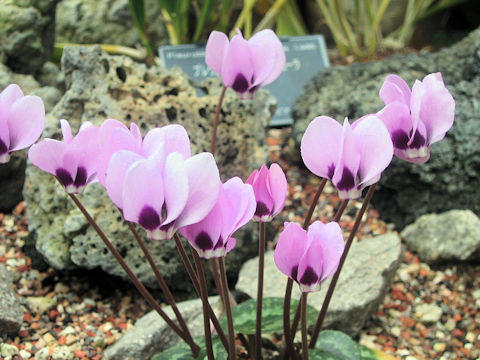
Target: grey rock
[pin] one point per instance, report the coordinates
(108, 22)
(101, 86)
(28, 33)
(150, 335)
(50, 96)
(448, 237)
(428, 313)
(11, 314)
(365, 278)
(450, 178)
(40, 304)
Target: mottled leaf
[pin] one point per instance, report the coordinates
(337, 345)
(181, 351)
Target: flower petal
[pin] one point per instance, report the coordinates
(321, 145)
(237, 69)
(117, 169)
(376, 148)
(215, 50)
(48, 155)
(278, 187)
(175, 186)
(346, 169)
(268, 57)
(203, 187)
(239, 207)
(66, 131)
(332, 245)
(433, 105)
(310, 266)
(290, 248)
(173, 137)
(395, 89)
(8, 96)
(26, 121)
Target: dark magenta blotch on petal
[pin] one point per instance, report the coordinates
(309, 277)
(418, 141)
(149, 218)
(400, 139)
(261, 209)
(3, 147)
(331, 171)
(81, 177)
(240, 84)
(203, 241)
(63, 176)
(347, 181)
(294, 273)
(219, 243)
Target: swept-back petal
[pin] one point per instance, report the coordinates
(66, 131)
(278, 187)
(114, 136)
(7, 97)
(397, 119)
(215, 50)
(375, 146)
(142, 191)
(290, 248)
(175, 182)
(203, 187)
(321, 145)
(395, 89)
(332, 244)
(238, 67)
(268, 56)
(310, 266)
(117, 169)
(173, 138)
(346, 170)
(433, 105)
(239, 205)
(48, 155)
(263, 196)
(86, 147)
(26, 120)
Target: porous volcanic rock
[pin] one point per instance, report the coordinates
(101, 86)
(450, 179)
(11, 314)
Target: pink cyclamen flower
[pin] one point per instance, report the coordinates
(352, 157)
(21, 120)
(246, 65)
(309, 257)
(235, 206)
(418, 118)
(270, 188)
(73, 161)
(163, 188)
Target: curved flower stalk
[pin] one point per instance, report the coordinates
(22, 119)
(73, 161)
(270, 188)
(352, 157)
(309, 257)
(162, 188)
(246, 65)
(235, 206)
(416, 118)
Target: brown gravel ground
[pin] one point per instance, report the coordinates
(86, 311)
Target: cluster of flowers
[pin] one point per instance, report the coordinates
(157, 183)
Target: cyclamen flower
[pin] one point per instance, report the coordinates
(270, 188)
(352, 157)
(246, 65)
(21, 120)
(309, 257)
(73, 161)
(167, 189)
(235, 206)
(418, 118)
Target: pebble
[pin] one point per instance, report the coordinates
(42, 354)
(40, 304)
(8, 350)
(25, 354)
(428, 313)
(62, 353)
(440, 347)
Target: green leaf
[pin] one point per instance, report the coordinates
(181, 351)
(366, 353)
(245, 316)
(337, 345)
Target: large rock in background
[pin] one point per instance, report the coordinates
(27, 31)
(101, 86)
(108, 22)
(365, 278)
(450, 179)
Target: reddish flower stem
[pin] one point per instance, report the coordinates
(217, 120)
(228, 311)
(288, 290)
(303, 306)
(138, 284)
(261, 264)
(161, 281)
(333, 283)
